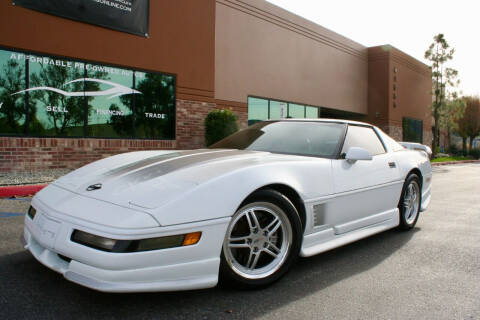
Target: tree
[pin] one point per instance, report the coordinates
(156, 98)
(13, 107)
(74, 107)
(469, 123)
(219, 124)
(451, 114)
(443, 79)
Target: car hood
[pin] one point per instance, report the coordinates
(149, 179)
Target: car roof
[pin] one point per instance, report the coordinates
(325, 120)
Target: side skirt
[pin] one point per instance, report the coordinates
(426, 197)
(326, 239)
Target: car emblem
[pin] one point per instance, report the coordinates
(94, 187)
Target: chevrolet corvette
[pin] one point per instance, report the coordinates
(241, 211)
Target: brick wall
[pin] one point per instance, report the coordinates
(190, 123)
(428, 137)
(32, 154)
(395, 132)
(191, 117)
(240, 109)
(35, 154)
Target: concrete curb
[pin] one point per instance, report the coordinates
(454, 162)
(20, 191)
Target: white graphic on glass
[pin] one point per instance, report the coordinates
(117, 90)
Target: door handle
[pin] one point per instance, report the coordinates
(392, 165)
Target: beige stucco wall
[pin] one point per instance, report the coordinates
(414, 87)
(181, 41)
(263, 50)
(411, 85)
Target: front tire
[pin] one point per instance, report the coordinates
(262, 241)
(410, 202)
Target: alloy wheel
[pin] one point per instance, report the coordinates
(411, 202)
(258, 240)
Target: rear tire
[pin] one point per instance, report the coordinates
(410, 202)
(262, 242)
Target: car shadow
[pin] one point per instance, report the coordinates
(28, 289)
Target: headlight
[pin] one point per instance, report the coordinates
(118, 246)
(31, 212)
(93, 241)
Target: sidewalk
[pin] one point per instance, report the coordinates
(454, 162)
(21, 184)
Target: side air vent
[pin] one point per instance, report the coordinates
(319, 214)
(66, 259)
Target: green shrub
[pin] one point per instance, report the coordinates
(454, 150)
(219, 124)
(475, 153)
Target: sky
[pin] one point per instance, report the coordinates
(407, 25)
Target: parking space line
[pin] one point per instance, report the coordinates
(10, 214)
(18, 199)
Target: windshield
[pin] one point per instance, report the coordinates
(319, 139)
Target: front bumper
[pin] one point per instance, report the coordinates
(184, 268)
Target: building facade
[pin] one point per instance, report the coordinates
(72, 92)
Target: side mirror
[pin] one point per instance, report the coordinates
(355, 153)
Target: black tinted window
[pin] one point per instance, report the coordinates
(412, 130)
(289, 137)
(50, 96)
(363, 137)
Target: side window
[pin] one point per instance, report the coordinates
(363, 137)
(389, 142)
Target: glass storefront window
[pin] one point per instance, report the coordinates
(296, 111)
(311, 112)
(13, 107)
(154, 105)
(278, 110)
(109, 95)
(257, 110)
(56, 92)
(49, 96)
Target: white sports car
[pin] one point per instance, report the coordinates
(243, 210)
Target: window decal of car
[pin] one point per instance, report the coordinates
(117, 90)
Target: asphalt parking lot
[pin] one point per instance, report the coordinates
(432, 272)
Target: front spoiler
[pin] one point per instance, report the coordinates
(170, 285)
(48, 238)
(186, 276)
